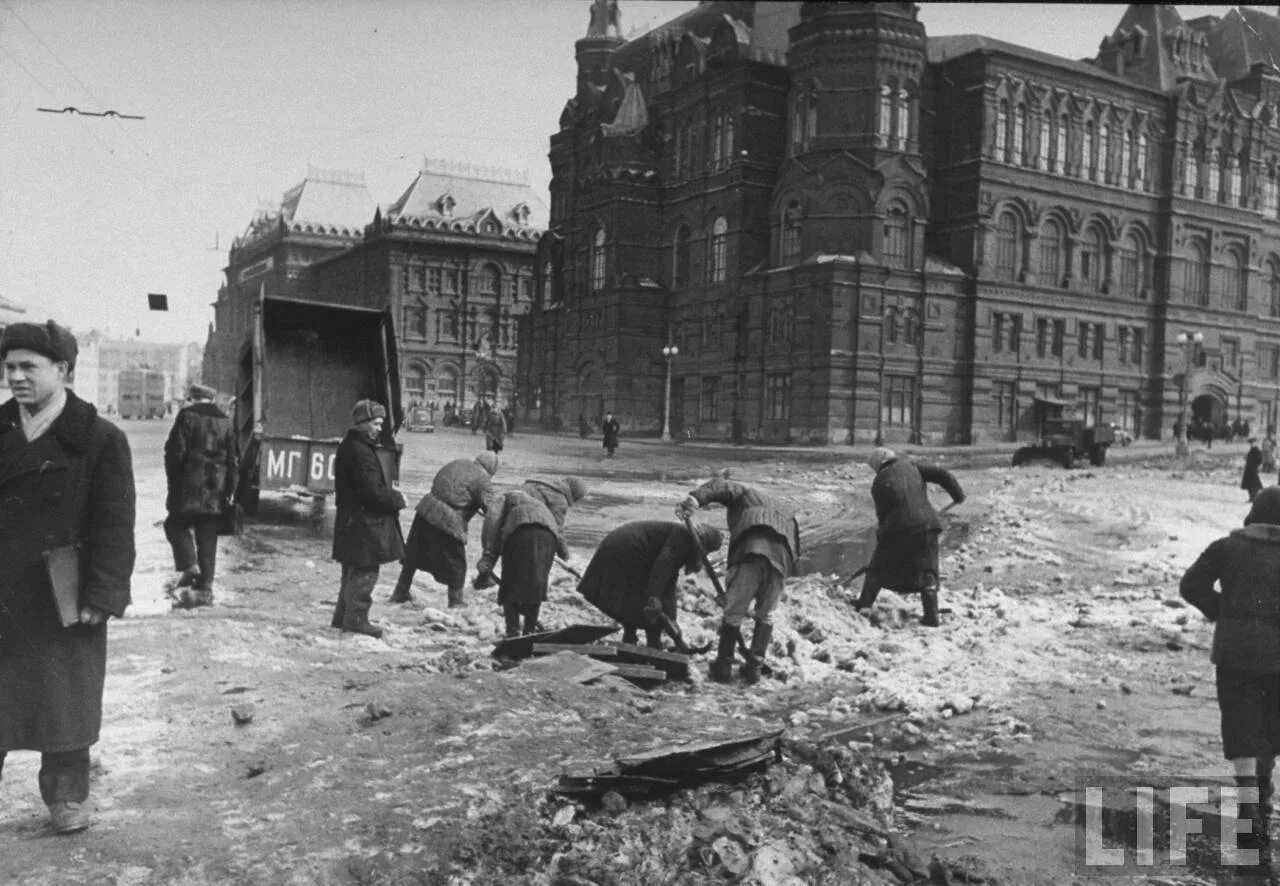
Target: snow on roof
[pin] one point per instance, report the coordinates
(445, 189)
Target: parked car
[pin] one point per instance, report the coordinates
(420, 420)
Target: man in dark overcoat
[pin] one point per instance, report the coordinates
(909, 531)
(525, 529)
(201, 465)
(495, 431)
(366, 531)
(66, 485)
(764, 544)
(632, 575)
(438, 537)
(611, 429)
(1245, 609)
(1251, 481)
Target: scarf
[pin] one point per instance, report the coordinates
(35, 425)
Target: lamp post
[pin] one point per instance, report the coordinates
(1187, 340)
(669, 353)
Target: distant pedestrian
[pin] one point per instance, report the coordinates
(632, 576)
(1245, 565)
(525, 530)
(909, 531)
(438, 538)
(366, 531)
(495, 431)
(584, 427)
(764, 544)
(201, 465)
(1250, 482)
(1268, 448)
(66, 480)
(611, 429)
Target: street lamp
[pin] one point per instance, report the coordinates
(669, 353)
(1187, 340)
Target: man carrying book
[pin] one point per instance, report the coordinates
(66, 559)
(202, 466)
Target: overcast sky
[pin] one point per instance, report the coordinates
(241, 96)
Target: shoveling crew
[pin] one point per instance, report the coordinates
(438, 537)
(632, 576)
(525, 529)
(909, 532)
(764, 543)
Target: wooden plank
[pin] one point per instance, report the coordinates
(522, 647)
(639, 674)
(674, 664)
(591, 650)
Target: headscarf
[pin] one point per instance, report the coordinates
(880, 456)
(488, 461)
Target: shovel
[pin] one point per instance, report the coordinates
(706, 562)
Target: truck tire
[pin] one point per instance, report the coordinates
(1068, 458)
(1098, 456)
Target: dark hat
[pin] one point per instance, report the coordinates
(1266, 507)
(367, 410)
(201, 392)
(54, 341)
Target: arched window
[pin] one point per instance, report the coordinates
(789, 247)
(1271, 194)
(1060, 145)
(490, 280)
(415, 385)
(1051, 253)
(1233, 181)
(1196, 274)
(903, 129)
(1045, 161)
(717, 140)
(680, 258)
(885, 122)
(897, 237)
(1192, 170)
(1140, 168)
(728, 138)
(1273, 288)
(1104, 153)
(447, 384)
(1020, 135)
(1002, 132)
(1092, 256)
(597, 261)
(1214, 187)
(1235, 294)
(548, 294)
(1126, 158)
(1133, 266)
(718, 251)
(1006, 264)
(1086, 151)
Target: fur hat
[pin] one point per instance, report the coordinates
(201, 392)
(708, 536)
(880, 456)
(575, 489)
(54, 341)
(367, 410)
(488, 461)
(1266, 507)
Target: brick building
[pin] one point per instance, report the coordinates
(452, 258)
(854, 232)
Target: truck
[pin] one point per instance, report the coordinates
(1065, 440)
(140, 393)
(301, 368)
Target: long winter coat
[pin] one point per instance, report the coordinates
(637, 562)
(902, 500)
(495, 431)
(73, 485)
(509, 513)
(611, 429)
(366, 530)
(459, 491)
(1252, 464)
(750, 509)
(200, 461)
(1246, 564)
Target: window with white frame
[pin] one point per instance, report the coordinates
(902, 124)
(1002, 131)
(1060, 145)
(1020, 135)
(1045, 146)
(1087, 168)
(778, 396)
(1051, 252)
(897, 237)
(1140, 167)
(898, 407)
(718, 251)
(1104, 153)
(789, 247)
(1006, 263)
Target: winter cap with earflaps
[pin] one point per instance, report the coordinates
(53, 341)
(488, 461)
(1266, 507)
(367, 410)
(880, 456)
(575, 489)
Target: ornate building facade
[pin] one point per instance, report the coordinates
(812, 222)
(452, 258)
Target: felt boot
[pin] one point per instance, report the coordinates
(750, 669)
(721, 667)
(929, 600)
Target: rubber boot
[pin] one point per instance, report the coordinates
(511, 616)
(867, 599)
(365, 628)
(402, 592)
(929, 600)
(630, 634)
(721, 667)
(531, 625)
(457, 598)
(750, 669)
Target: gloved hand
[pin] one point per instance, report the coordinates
(686, 507)
(483, 579)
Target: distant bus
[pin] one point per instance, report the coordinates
(141, 393)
